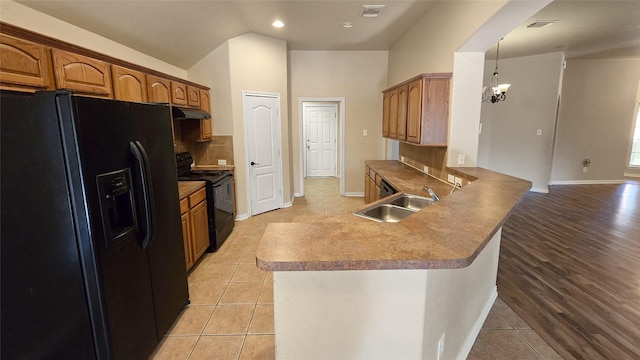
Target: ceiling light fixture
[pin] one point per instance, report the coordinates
(347, 24)
(277, 24)
(495, 92)
(371, 10)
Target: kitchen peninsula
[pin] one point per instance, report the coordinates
(350, 288)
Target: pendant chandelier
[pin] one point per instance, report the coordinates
(495, 91)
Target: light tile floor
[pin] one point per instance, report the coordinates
(231, 310)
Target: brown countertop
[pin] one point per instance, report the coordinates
(186, 188)
(446, 235)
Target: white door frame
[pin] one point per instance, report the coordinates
(333, 135)
(341, 119)
(278, 141)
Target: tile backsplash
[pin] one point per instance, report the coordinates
(419, 157)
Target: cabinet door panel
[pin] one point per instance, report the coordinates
(393, 113)
(158, 89)
(200, 229)
(24, 64)
(414, 111)
(402, 112)
(129, 85)
(186, 237)
(193, 96)
(205, 101)
(385, 114)
(81, 73)
(178, 93)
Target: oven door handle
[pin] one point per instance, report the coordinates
(142, 160)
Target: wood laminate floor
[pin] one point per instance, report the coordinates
(570, 267)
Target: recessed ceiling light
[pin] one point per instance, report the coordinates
(541, 23)
(347, 24)
(371, 10)
(277, 24)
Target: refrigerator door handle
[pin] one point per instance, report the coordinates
(140, 155)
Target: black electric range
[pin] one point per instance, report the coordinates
(220, 199)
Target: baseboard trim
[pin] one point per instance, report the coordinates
(241, 217)
(540, 190)
(287, 204)
(297, 195)
(475, 331)
(585, 182)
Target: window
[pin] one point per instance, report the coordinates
(634, 159)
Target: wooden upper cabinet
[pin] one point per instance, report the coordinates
(193, 96)
(402, 112)
(129, 85)
(158, 89)
(83, 74)
(421, 110)
(393, 114)
(24, 65)
(414, 111)
(385, 114)
(178, 93)
(205, 100)
(206, 124)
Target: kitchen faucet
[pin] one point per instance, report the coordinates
(432, 193)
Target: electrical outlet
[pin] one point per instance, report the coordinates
(426, 169)
(461, 159)
(222, 162)
(457, 181)
(402, 158)
(539, 132)
(441, 347)
(364, 132)
(585, 169)
(451, 178)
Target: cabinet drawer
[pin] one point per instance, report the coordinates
(199, 196)
(184, 206)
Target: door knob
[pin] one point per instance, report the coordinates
(254, 163)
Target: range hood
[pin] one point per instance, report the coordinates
(180, 113)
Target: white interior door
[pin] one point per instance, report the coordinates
(321, 140)
(262, 120)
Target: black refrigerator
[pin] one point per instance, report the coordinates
(91, 242)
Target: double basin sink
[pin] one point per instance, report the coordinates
(395, 209)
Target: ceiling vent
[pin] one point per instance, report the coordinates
(541, 23)
(371, 10)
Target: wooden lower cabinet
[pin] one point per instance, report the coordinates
(195, 227)
(371, 185)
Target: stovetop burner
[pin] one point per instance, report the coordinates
(184, 161)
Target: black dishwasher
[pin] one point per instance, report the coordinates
(386, 189)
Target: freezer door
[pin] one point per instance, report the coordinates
(43, 301)
(143, 271)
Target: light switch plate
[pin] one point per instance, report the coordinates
(222, 162)
(539, 132)
(364, 132)
(426, 169)
(461, 159)
(451, 178)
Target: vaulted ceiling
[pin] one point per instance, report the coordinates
(181, 32)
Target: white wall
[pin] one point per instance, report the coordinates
(596, 116)
(27, 18)
(213, 71)
(359, 77)
(257, 63)
(509, 142)
(249, 62)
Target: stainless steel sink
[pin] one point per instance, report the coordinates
(385, 213)
(395, 209)
(412, 202)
